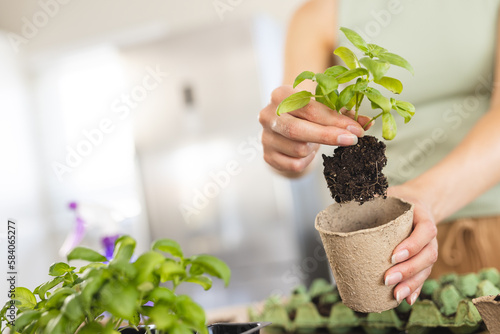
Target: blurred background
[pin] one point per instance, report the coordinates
(143, 115)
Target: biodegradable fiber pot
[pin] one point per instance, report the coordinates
(489, 308)
(359, 241)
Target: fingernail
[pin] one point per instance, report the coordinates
(356, 130)
(402, 293)
(400, 256)
(345, 139)
(393, 278)
(413, 298)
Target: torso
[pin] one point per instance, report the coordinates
(451, 45)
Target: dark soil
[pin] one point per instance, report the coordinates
(355, 172)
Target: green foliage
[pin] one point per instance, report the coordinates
(371, 68)
(74, 300)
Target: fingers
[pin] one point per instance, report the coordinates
(414, 257)
(318, 113)
(410, 289)
(424, 259)
(424, 231)
(413, 297)
(286, 163)
(295, 149)
(291, 140)
(298, 129)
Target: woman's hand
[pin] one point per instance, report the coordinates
(415, 256)
(291, 140)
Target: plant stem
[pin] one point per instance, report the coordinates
(117, 325)
(357, 108)
(372, 119)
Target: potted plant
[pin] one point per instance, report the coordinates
(359, 240)
(107, 297)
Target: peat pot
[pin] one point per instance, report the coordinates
(489, 308)
(359, 241)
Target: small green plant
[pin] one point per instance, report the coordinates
(369, 69)
(130, 293)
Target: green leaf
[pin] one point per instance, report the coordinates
(162, 318)
(181, 328)
(381, 101)
(162, 294)
(57, 325)
(361, 84)
(136, 320)
(204, 281)
(169, 246)
(25, 318)
(347, 56)
(351, 74)
(46, 317)
(57, 298)
(213, 266)
(394, 59)
(120, 299)
(91, 328)
(374, 50)
(91, 286)
(303, 76)
(335, 71)
(146, 264)
(328, 83)
(345, 96)
(42, 290)
(405, 109)
(355, 39)
(124, 249)
(320, 99)
(331, 101)
(25, 297)
(59, 269)
(124, 268)
(146, 287)
(351, 102)
(168, 270)
(294, 102)
(86, 254)
(190, 312)
(376, 67)
(389, 127)
(394, 85)
(405, 114)
(72, 309)
(91, 265)
(405, 106)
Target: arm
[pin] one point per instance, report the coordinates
(443, 190)
(291, 141)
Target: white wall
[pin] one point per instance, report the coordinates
(21, 196)
(82, 21)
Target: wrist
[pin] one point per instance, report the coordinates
(430, 196)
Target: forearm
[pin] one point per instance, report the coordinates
(467, 172)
